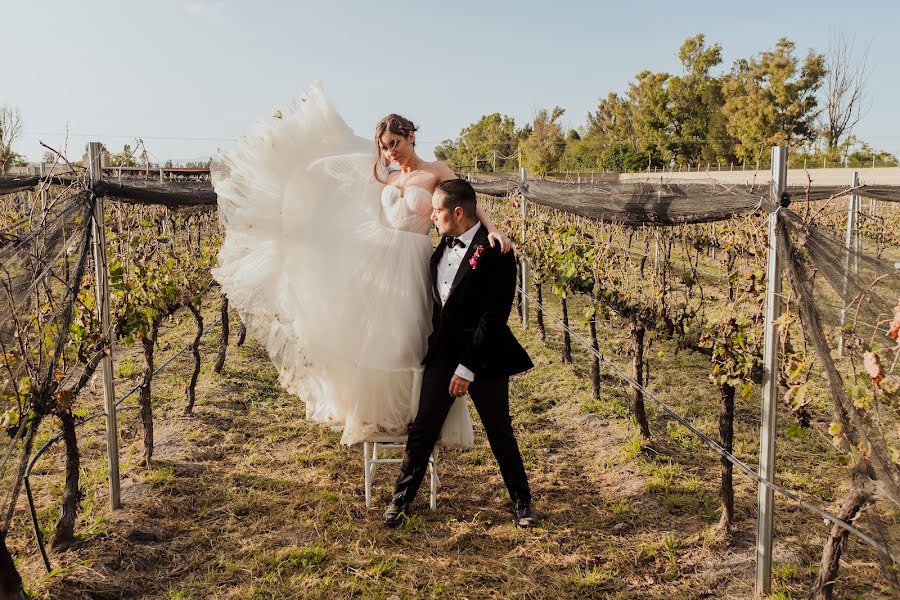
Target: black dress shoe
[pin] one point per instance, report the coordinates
(525, 515)
(395, 512)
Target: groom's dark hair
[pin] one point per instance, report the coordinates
(459, 192)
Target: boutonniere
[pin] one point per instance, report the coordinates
(473, 261)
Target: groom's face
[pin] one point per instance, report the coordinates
(445, 219)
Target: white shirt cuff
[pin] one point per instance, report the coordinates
(465, 373)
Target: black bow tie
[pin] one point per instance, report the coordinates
(453, 241)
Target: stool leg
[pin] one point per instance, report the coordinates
(432, 466)
(373, 462)
(437, 478)
(368, 474)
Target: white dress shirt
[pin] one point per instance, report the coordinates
(447, 267)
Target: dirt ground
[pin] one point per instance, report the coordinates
(247, 499)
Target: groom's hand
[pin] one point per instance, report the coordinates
(458, 386)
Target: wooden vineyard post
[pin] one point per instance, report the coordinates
(522, 262)
(765, 494)
(656, 251)
(101, 273)
(851, 259)
(43, 190)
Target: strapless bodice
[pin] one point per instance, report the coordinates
(408, 209)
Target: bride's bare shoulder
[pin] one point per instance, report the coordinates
(441, 171)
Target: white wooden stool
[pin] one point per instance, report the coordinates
(373, 444)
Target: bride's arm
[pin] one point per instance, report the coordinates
(494, 234)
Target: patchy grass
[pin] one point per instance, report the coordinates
(247, 499)
(129, 367)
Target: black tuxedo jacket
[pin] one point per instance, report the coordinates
(471, 328)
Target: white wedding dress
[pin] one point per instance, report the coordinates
(328, 269)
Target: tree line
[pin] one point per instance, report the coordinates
(703, 115)
(775, 97)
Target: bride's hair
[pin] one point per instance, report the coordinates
(398, 126)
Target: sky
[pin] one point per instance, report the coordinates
(189, 76)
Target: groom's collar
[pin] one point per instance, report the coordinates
(469, 235)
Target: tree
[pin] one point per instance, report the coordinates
(865, 154)
(489, 135)
(845, 90)
(583, 150)
(445, 151)
(125, 158)
(523, 133)
(768, 102)
(545, 145)
(613, 156)
(198, 164)
(10, 130)
(612, 122)
(490, 140)
(695, 105)
(651, 114)
(663, 116)
(640, 120)
(16, 160)
(720, 145)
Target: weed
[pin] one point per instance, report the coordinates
(475, 457)
(670, 544)
(608, 408)
(381, 566)
(632, 448)
(307, 558)
(411, 523)
(646, 553)
(161, 475)
(663, 476)
(594, 578)
(127, 368)
(178, 593)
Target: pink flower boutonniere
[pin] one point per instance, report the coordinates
(479, 250)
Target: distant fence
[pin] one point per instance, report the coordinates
(145, 171)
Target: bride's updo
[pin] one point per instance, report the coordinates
(398, 126)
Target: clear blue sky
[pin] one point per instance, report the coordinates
(171, 69)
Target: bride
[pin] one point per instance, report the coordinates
(325, 257)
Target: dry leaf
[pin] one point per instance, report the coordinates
(894, 329)
(872, 365)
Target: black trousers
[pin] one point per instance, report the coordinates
(491, 398)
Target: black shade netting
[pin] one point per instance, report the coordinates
(660, 202)
(601, 197)
(43, 261)
(174, 194)
(849, 303)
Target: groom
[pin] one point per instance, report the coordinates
(470, 350)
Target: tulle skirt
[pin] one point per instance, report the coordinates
(339, 298)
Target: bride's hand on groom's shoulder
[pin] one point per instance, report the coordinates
(498, 237)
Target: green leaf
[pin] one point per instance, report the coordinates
(794, 431)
